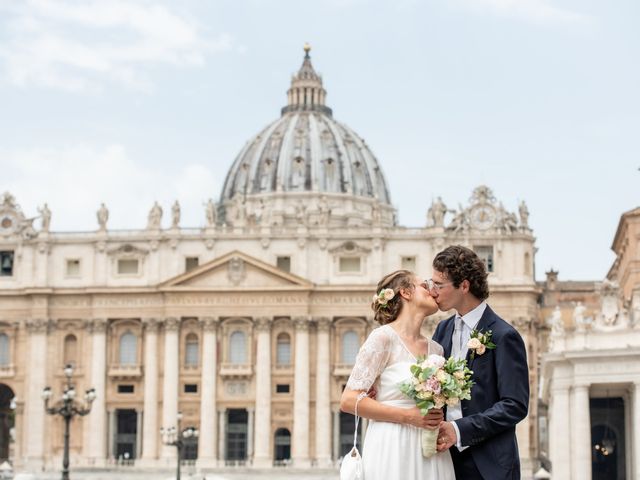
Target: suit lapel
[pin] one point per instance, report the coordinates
(448, 336)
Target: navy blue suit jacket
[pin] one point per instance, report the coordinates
(499, 397)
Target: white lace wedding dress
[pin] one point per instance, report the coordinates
(393, 450)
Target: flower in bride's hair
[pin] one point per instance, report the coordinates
(383, 296)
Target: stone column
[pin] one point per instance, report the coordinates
(336, 435)
(262, 451)
(560, 433)
(98, 416)
(222, 436)
(139, 420)
(170, 382)
(150, 428)
(111, 433)
(580, 442)
(207, 448)
(635, 422)
(323, 393)
(250, 430)
(37, 376)
(300, 438)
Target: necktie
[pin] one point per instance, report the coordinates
(457, 337)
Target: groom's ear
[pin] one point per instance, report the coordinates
(464, 286)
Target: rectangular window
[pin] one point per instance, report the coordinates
(125, 388)
(350, 264)
(191, 263)
(282, 388)
(486, 255)
(284, 263)
(190, 388)
(408, 263)
(73, 267)
(127, 266)
(6, 263)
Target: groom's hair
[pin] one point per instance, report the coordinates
(460, 263)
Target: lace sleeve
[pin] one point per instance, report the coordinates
(435, 348)
(371, 361)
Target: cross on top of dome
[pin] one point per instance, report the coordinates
(306, 92)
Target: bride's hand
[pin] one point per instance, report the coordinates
(431, 420)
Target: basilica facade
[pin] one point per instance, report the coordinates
(248, 325)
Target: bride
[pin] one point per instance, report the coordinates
(392, 447)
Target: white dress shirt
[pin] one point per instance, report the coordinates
(461, 335)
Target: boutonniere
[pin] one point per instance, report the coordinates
(480, 342)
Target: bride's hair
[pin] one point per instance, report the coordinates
(387, 312)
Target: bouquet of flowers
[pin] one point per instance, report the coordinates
(436, 382)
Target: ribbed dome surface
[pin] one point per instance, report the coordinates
(306, 150)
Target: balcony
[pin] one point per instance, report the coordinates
(236, 370)
(7, 371)
(282, 369)
(342, 369)
(125, 371)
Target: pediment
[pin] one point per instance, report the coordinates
(236, 270)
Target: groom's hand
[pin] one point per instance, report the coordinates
(446, 436)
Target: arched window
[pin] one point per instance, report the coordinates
(70, 350)
(191, 350)
(282, 444)
(128, 349)
(238, 348)
(283, 349)
(350, 346)
(4, 350)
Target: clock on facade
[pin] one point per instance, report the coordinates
(7, 223)
(483, 216)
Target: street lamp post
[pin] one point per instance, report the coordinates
(68, 407)
(174, 437)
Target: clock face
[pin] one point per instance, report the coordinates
(7, 223)
(483, 216)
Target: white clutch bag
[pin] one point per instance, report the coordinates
(351, 466)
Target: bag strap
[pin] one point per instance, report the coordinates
(361, 395)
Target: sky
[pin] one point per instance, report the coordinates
(131, 101)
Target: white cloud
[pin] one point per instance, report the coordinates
(75, 180)
(80, 46)
(535, 11)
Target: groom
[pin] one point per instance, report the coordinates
(481, 432)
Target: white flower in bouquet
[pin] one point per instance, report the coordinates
(453, 401)
(442, 376)
(434, 361)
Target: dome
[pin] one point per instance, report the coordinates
(306, 150)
